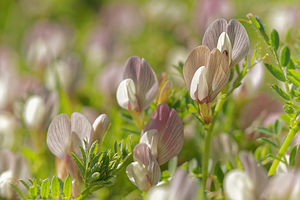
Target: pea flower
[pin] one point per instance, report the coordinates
(249, 184)
(163, 134)
(181, 187)
(206, 73)
(144, 172)
(139, 86)
(12, 167)
(230, 38)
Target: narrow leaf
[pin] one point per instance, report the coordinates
(275, 72)
(266, 140)
(265, 130)
(277, 127)
(293, 80)
(285, 56)
(275, 39)
(280, 92)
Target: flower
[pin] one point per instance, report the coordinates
(182, 187)
(139, 86)
(163, 134)
(231, 38)
(205, 73)
(12, 167)
(144, 172)
(247, 185)
(99, 127)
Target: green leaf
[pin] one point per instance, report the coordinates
(288, 109)
(275, 39)
(45, 189)
(172, 165)
(33, 189)
(18, 191)
(265, 130)
(68, 187)
(275, 72)
(268, 141)
(277, 127)
(293, 156)
(295, 74)
(293, 80)
(55, 187)
(280, 92)
(285, 56)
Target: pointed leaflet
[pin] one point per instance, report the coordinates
(59, 134)
(196, 59)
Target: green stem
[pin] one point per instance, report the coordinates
(208, 137)
(284, 147)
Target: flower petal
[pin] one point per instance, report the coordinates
(151, 138)
(59, 134)
(213, 32)
(137, 174)
(218, 72)
(126, 94)
(224, 45)
(239, 41)
(237, 186)
(199, 87)
(144, 78)
(197, 58)
(257, 174)
(81, 126)
(172, 138)
(99, 127)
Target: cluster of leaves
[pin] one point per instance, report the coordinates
(98, 169)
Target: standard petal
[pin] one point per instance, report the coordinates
(213, 32)
(256, 173)
(237, 186)
(99, 127)
(172, 138)
(59, 134)
(81, 126)
(239, 41)
(144, 78)
(126, 94)
(217, 73)
(197, 58)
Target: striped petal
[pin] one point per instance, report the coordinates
(151, 138)
(239, 41)
(59, 135)
(81, 126)
(213, 32)
(197, 58)
(145, 171)
(144, 79)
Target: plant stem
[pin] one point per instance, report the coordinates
(287, 142)
(208, 137)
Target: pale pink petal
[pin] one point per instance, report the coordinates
(81, 126)
(239, 41)
(59, 135)
(213, 32)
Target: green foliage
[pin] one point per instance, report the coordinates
(285, 56)
(275, 39)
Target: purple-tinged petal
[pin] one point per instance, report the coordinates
(151, 138)
(239, 41)
(213, 32)
(172, 138)
(218, 72)
(256, 173)
(81, 126)
(196, 59)
(145, 171)
(59, 135)
(144, 78)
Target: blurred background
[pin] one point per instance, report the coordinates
(64, 56)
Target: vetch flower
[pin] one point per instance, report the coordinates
(248, 185)
(230, 38)
(144, 172)
(163, 134)
(99, 127)
(206, 73)
(139, 86)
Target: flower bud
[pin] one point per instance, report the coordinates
(34, 111)
(100, 126)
